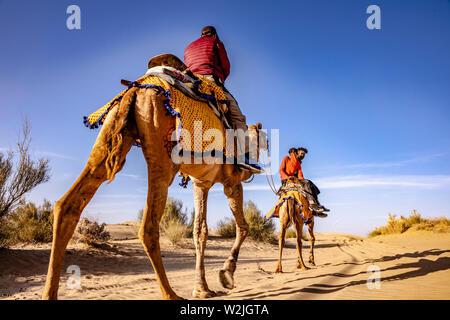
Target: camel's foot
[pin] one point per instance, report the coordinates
(226, 279)
(279, 269)
(311, 260)
(173, 297)
(49, 294)
(48, 297)
(303, 267)
(203, 294)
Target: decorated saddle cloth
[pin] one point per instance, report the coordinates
(195, 108)
(296, 195)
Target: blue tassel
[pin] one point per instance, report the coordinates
(184, 181)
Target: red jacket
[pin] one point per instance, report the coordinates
(207, 55)
(289, 167)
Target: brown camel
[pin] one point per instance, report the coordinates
(291, 214)
(141, 115)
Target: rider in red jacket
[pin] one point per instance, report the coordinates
(207, 56)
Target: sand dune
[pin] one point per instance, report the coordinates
(414, 265)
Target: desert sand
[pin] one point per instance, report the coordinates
(413, 265)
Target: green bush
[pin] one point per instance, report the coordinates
(27, 223)
(259, 228)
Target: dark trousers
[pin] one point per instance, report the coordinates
(310, 190)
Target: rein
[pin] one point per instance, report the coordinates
(271, 185)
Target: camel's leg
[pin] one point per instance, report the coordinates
(158, 184)
(200, 234)
(283, 215)
(153, 124)
(68, 209)
(298, 224)
(281, 241)
(235, 200)
(313, 239)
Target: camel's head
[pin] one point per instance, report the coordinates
(257, 139)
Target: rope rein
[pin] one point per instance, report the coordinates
(271, 185)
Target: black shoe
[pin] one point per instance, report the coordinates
(252, 167)
(325, 209)
(316, 208)
(320, 214)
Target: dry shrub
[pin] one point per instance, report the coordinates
(440, 225)
(27, 223)
(259, 228)
(91, 233)
(175, 231)
(413, 222)
(173, 223)
(227, 228)
(19, 173)
(290, 233)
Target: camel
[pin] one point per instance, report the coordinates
(291, 214)
(141, 116)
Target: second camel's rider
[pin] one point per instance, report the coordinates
(291, 166)
(207, 56)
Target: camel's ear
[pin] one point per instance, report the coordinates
(125, 82)
(259, 125)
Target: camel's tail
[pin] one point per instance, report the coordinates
(291, 210)
(114, 137)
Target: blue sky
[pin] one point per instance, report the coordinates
(372, 106)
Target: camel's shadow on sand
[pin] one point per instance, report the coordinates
(421, 267)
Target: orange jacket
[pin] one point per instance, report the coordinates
(289, 167)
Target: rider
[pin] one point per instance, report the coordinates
(291, 166)
(207, 56)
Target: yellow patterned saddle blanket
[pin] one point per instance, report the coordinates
(299, 200)
(196, 117)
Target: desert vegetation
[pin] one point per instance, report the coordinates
(414, 222)
(174, 224)
(19, 174)
(290, 233)
(260, 230)
(27, 223)
(91, 233)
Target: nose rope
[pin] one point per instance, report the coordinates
(272, 186)
(270, 164)
(267, 178)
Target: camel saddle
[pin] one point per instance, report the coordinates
(168, 60)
